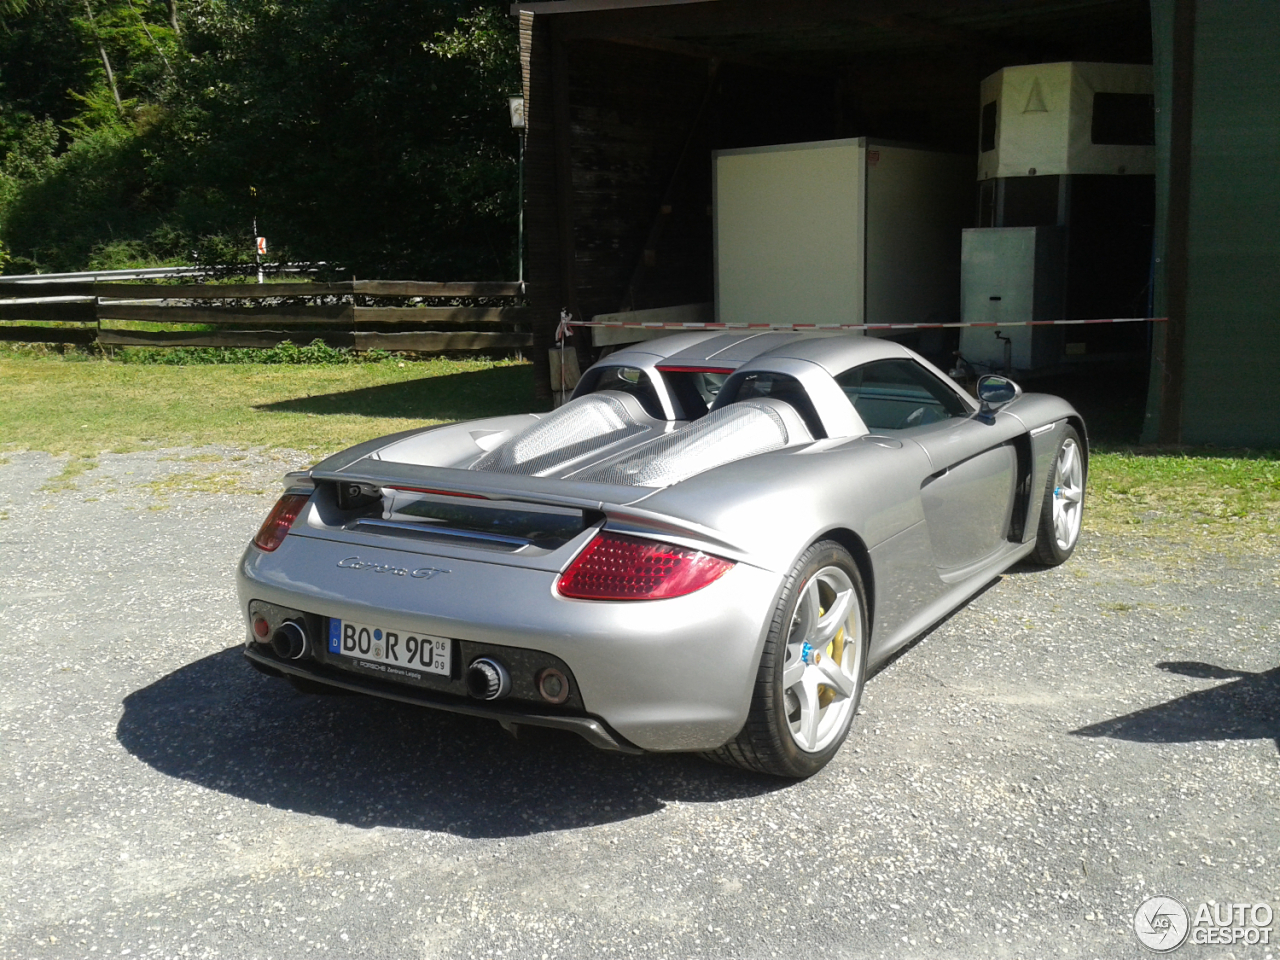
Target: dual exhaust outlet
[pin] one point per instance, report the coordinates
(290, 641)
(486, 678)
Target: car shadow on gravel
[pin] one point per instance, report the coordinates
(1247, 708)
(371, 762)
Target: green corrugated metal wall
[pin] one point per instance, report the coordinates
(1231, 379)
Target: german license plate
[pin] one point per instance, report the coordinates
(389, 647)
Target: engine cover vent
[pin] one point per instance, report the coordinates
(731, 433)
(589, 423)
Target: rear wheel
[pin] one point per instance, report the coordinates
(1062, 510)
(811, 671)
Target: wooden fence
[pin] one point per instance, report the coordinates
(395, 315)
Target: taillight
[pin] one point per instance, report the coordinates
(613, 567)
(276, 527)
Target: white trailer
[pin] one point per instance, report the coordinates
(839, 232)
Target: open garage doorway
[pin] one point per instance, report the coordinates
(631, 104)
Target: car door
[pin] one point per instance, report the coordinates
(968, 498)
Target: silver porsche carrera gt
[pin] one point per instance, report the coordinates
(707, 548)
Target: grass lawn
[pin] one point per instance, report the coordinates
(1207, 499)
(1200, 498)
(92, 406)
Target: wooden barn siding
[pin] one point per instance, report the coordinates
(632, 110)
(542, 262)
(629, 112)
(1231, 390)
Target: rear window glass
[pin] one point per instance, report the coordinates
(623, 379)
(899, 394)
(696, 390)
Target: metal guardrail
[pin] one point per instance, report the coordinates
(152, 273)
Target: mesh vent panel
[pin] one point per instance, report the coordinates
(577, 428)
(731, 433)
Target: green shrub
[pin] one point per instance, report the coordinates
(315, 352)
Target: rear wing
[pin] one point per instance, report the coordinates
(621, 505)
(491, 486)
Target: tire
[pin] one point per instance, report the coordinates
(796, 722)
(1062, 509)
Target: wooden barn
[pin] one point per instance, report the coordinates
(631, 105)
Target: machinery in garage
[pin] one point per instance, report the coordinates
(865, 231)
(627, 99)
(1066, 206)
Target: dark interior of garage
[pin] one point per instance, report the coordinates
(650, 93)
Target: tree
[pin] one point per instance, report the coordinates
(381, 141)
(376, 133)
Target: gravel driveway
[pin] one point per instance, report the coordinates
(1067, 745)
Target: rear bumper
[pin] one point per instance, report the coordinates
(589, 728)
(672, 674)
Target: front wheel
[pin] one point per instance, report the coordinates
(1062, 509)
(811, 671)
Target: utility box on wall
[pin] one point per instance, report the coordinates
(1043, 119)
(839, 231)
(1012, 275)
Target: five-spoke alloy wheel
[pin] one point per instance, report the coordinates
(1063, 507)
(811, 671)
(822, 670)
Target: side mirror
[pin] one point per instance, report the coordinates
(995, 391)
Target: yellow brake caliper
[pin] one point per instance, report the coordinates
(835, 650)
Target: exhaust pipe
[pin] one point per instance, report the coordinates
(290, 641)
(488, 679)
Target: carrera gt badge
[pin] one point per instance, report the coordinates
(421, 573)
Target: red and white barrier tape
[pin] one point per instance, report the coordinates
(851, 326)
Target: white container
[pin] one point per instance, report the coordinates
(1012, 275)
(839, 231)
(1066, 118)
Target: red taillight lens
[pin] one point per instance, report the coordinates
(276, 527)
(627, 568)
(441, 493)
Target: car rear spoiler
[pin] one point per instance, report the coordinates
(620, 504)
(491, 486)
